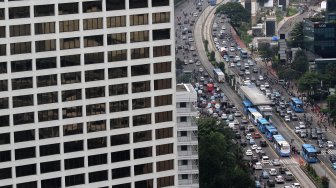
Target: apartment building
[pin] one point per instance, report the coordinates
(187, 132)
(87, 94)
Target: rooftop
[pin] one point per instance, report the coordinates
(253, 93)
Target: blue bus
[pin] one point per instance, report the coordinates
(212, 2)
(270, 131)
(296, 104)
(247, 104)
(309, 153)
(262, 123)
(281, 145)
(253, 115)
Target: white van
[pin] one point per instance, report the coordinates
(265, 160)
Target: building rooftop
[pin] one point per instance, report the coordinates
(253, 93)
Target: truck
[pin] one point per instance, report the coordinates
(219, 75)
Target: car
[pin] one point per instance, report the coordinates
(258, 166)
(198, 63)
(273, 172)
(243, 143)
(195, 14)
(250, 128)
(324, 137)
(258, 150)
(267, 85)
(283, 170)
(263, 143)
(265, 174)
(237, 114)
(258, 83)
(246, 66)
(252, 141)
(248, 136)
(297, 130)
(330, 144)
(302, 125)
(303, 133)
(332, 158)
(257, 184)
(256, 135)
(333, 166)
(318, 130)
(206, 74)
(224, 116)
(255, 69)
(232, 65)
(238, 64)
(279, 179)
(238, 136)
(270, 183)
(275, 162)
(201, 69)
(202, 79)
(190, 39)
(287, 118)
(262, 87)
(282, 113)
(261, 77)
(254, 147)
(191, 61)
(296, 185)
(289, 176)
(261, 154)
(265, 160)
(247, 72)
(254, 159)
(313, 134)
(288, 111)
(321, 144)
(249, 152)
(192, 48)
(232, 49)
(244, 120)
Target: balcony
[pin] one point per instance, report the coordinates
(186, 111)
(187, 153)
(187, 126)
(187, 139)
(188, 168)
(189, 182)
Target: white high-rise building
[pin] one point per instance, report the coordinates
(87, 94)
(187, 135)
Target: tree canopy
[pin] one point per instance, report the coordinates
(300, 62)
(236, 12)
(220, 159)
(296, 36)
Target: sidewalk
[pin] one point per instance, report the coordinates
(283, 21)
(237, 38)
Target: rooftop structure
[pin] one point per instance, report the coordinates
(252, 93)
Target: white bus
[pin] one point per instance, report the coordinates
(219, 75)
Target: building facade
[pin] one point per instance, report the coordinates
(87, 94)
(187, 135)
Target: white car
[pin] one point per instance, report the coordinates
(232, 65)
(297, 130)
(195, 14)
(223, 27)
(296, 185)
(249, 152)
(198, 63)
(192, 48)
(329, 144)
(201, 69)
(266, 84)
(237, 58)
(265, 160)
(302, 125)
(261, 77)
(273, 172)
(254, 147)
(287, 119)
(232, 49)
(279, 179)
(191, 39)
(248, 136)
(258, 166)
(224, 117)
(258, 150)
(202, 79)
(262, 87)
(247, 72)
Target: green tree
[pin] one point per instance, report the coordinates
(309, 81)
(212, 56)
(325, 182)
(236, 12)
(288, 73)
(300, 63)
(296, 37)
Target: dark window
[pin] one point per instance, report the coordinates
(51, 149)
(118, 123)
(6, 186)
(161, 17)
(92, 6)
(23, 136)
(125, 185)
(72, 129)
(25, 153)
(69, 26)
(98, 176)
(4, 138)
(44, 10)
(141, 103)
(71, 77)
(142, 152)
(74, 163)
(47, 80)
(94, 75)
(2, 31)
(120, 139)
(5, 173)
(22, 65)
(139, 53)
(70, 60)
(159, 51)
(121, 172)
(116, 21)
(93, 58)
(138, 4)
(162, 84)
(99, 159)
(32, 184)
(143, 169)
(46, 98)
(46, 63)
(25, 100)
(163, 116)
(3, 67)
(67, 8)
(115, 5)
(164, 149)
(142, 136)
(4, 121)
(51, 183)
(165, 181)
(164, 165)
(25, 170)
(48, 115)
(19, 12)
(161, 34)
(19, 30)
(44, 28)
(4, 85)
(73, 146)
(92, 41)
(5, 156)
(23, 118)
(139, 36)
(4, 103)
(69, 43)
(118, 72)
(22, 83)
(72, 95)
(164, 133)
(118, 55)
(162, 67)
(116, 38)
(94, 92)
(96, 126)
(143, 119)
(120, 156)
(139, 19)
(74, 180)
(20, 48)
(50, 166)
(119, 89)
(95, 143)
(119, 106)
(93, 23)
(143, 86)
(45, 45)
(3, 49)
(2, 13)
(48, 132)
(158, 3)
(163, 100)
(138, 70)
(144, 184)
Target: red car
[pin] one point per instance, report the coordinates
(256, 135)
